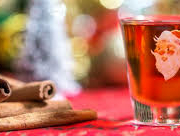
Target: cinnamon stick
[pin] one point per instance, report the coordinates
(8, 109)
(33, 91)
(45, 119)
(12, 82)
(5, 90)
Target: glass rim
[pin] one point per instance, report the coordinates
(151, 19)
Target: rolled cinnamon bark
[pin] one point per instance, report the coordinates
(45, 119)
(12, 82)
(33, 91)
(8, 109)
(5, 90)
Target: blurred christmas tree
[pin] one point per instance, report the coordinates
(47, 52)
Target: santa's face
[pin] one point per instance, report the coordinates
(167, 54)
(165, 48)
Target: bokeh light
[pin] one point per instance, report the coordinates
(81, 57)
(12, 36)
(111, 4)
(119, 45)
(138, 4)
(84, 26)
(2, 2)
(114, 42)
(82, 67)
(79, 47)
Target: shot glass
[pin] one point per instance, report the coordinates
(152, 46)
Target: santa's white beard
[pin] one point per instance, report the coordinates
(170, 67)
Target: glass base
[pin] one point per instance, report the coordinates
(156, 116)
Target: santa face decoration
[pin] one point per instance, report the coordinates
(167, 53)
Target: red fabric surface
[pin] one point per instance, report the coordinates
(114, 111)
(112, 104)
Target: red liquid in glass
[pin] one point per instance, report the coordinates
(147, 84)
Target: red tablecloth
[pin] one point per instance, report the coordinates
(114, 111)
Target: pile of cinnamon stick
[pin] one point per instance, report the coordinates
(27, 106)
